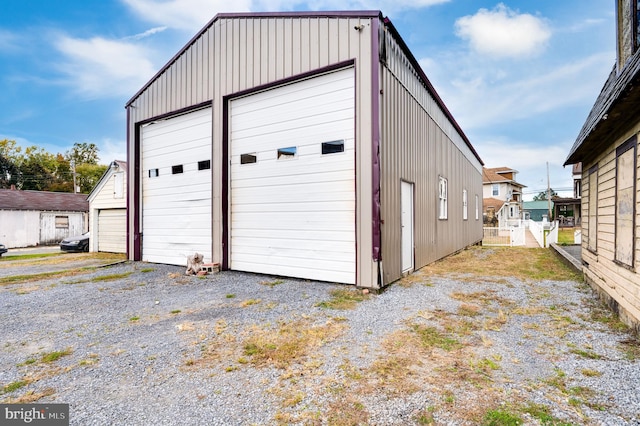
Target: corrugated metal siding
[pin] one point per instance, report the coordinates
(419, 144)
(257, 51)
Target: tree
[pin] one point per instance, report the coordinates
(9, 173)
(83, 153)
(542, 196)
(88, 176)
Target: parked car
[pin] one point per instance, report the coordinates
(76, 243)
(3, 249)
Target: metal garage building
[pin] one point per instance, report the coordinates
(309, 145)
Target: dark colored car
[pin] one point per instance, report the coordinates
(3, 249)
(76, 243)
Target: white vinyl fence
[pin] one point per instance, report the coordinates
(508, 236)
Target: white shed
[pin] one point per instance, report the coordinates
(108, 211)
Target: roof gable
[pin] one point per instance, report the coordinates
(11, 199)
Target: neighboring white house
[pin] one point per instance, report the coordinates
(31, 218)
(502, 194)
(108, 210)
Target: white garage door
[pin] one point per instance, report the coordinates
(112, 225)
(176, 188)
(293, 180)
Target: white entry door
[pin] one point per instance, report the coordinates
(407, 226)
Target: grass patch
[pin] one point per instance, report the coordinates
(176, 311)
(501, 418)
(588, 372)
(28, 256)
(145, 270)
(230, 296)
(585, 353)
(543, 414)
(631, 349)
(14, 386)
(134, 318)
(289, 342)
(343, 299)
(110, 277)
(431, 337)
(519, 262)
(468, 310)
(271, 283)
(566, 236)
(55, 355)
(249, 302)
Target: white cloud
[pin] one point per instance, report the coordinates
(188, 15)
(111, 149)
(8, 41)
(491, 96)
(99, 67)
(502, 32)
(146, 34)
(191, 15)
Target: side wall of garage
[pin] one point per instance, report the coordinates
(107, 213)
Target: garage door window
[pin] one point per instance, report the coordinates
(204, 165)
(332, 147)
(62, 222)
(286, 153)
(177, 169)
(248, 158)
(153, 173)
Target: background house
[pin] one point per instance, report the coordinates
(31, 218)
(306, 144)
(499, 186)
(536, 210)
(607, 147)
(108, 210)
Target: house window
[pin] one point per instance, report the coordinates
(177, 169)
(477, 209)
(154, 173)
(495, 190)
(248, 158)
(625, 202)
(592, 209)
(465, 208)
(284, 153)
(204, 165)
(332, 147)
(442, 196)
(62, 222)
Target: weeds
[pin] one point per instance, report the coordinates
(14, 386)
(55, 355)
(343, 299)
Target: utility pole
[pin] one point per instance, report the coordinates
(548, 192)
(73, 170)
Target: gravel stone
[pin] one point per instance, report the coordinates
(138, 345)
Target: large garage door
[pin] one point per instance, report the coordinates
(176, 188)
(112, 234)
(293, 180)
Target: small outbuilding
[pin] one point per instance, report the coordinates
(31, 218)
(108, 210)
(309, 145)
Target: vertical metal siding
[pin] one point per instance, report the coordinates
(418, 145)
(236, 54)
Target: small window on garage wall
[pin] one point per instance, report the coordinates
(477, 208)
(154, 173)
(332, 147)
(249, 158)
(442, 196)
(287, 153)
(465, 206)
(177, 169)
(204, 165)
(62, 222)
(625, 202)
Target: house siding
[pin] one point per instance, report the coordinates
(617, 284)
(419, 144)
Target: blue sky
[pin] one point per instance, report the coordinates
(519, 76)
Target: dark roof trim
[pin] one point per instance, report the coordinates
(337, 14)
(429, 86)
(609, 111)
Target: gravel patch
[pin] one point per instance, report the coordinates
(148, 345)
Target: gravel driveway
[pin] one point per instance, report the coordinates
(141, 344)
